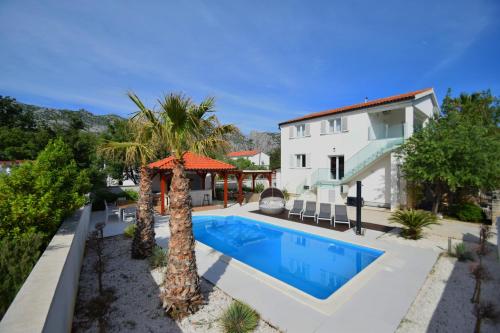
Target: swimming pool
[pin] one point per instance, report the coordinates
(316, 265)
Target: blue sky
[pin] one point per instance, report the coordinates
(263, 61)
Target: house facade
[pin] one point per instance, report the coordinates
(325, 153)
(257, 157)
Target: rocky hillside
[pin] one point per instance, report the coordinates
(62, 117)
(263, 141)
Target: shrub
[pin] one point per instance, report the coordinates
(159, 257)
(17, 257)
(468, 212)
(462, 253)
(413, 222)
(129, 231)
(286, 194)
(37, 196)
(131, 195)
(239, 318)
(259, 187)
(99, 196)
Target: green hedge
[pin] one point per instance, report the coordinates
(17, 258)
(468, 212)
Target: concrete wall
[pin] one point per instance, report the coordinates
(46, 300)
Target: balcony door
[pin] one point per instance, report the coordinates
(337, 167)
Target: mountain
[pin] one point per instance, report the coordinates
(62, 117)
(263, 141)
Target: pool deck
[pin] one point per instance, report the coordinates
(375, 300)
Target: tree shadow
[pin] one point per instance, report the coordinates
(137, 306)
(454, 310)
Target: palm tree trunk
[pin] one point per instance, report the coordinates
(144, 236)
(182, 294)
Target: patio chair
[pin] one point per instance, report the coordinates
(111, 209)
(325, 212)
(310, 210)
(129, 214)
(297, 209)
(341, 215)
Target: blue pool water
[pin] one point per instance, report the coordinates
(316, 265)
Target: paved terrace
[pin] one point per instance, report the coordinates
(373, 301)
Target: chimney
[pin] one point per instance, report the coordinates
(366, 99)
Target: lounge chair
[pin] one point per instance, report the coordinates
(310, 210)
(297, 209)
(341, 215)
(111, 209)
(325, 212)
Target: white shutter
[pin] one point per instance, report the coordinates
(344, 124)
(292, 160)
(291, 129)
(307, 131)
(308, 160)
(323, 127)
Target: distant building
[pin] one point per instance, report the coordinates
(255, 156)
(6, 166)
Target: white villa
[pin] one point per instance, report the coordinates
(325, 153)
(255, 156)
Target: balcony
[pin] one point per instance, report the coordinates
(386, 131)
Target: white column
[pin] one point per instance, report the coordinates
(395, 183)
(409, 111)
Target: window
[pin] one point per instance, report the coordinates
(300, 160)
(335, 125)
(337, 167)
(301, 130)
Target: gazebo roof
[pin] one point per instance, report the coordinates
(193, 162)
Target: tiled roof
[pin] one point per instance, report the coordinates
(375, 102)
(193, 161)
(243, 153)
(12, 162)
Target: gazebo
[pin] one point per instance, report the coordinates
(201, 166)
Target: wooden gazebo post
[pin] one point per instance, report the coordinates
(163, 185)
(270, 179)
(240, 187)
(253, 181)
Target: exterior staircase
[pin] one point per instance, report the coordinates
(357, 163)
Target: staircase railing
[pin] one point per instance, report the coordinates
(357, 162)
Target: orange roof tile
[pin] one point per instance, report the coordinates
(375, 102)
(243, 153)
(193, 161)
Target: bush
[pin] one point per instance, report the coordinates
(159, 257)
(129, 230)
(286, 195)
(99, 196)
(37, 196)
(131, 195)
(17, 258)
(239, 318)
(462, 253)
(259, 187)
(413, 222)
(468, 212)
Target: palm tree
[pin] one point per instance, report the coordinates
(185, 126)
(413, 222)
(139, 151)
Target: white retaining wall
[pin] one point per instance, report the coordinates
(47, 298)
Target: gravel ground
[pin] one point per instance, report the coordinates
(136, 306)
(443, 303)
